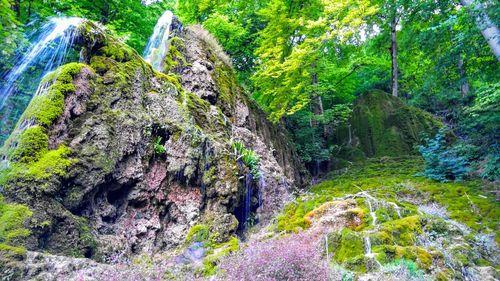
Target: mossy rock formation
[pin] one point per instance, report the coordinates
(84, 156)
(383, 125)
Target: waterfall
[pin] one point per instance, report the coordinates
(372, 212)
(49, 50)
(396, 208)
(157, 47)
(368, 245)
(248, 197)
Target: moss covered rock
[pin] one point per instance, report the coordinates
(83, 155)
(383, 125)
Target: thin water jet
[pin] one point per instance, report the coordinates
(158, 44)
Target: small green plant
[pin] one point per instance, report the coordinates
(247, 156)
(158, 147)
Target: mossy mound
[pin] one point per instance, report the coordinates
(440, 227)
(383, 125)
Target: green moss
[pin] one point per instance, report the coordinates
(392, 178)
(174, 57)
(400, 232)
(224, 78)
(347, 248)
(101, 64)
(53, 163)
(86, 239)
(216, 253)
(117, 51)
(414, 253)
(385, 126)
(12, 218)
(32, 144)
(199, 108)
(48, 106)
(197, 233)
(17, 251)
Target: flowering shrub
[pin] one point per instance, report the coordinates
(295, 257)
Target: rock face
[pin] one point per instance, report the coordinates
(116, 159)
(382, 125)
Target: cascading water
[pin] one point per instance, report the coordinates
(246, 207)
(157, 47)
(248, 196)
(368, 246)
(49, 50)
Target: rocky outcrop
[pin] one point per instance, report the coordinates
(116, 159)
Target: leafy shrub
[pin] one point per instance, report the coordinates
(294, 257)
(443, 163)
(249, 157)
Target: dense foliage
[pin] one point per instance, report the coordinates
(306, 61)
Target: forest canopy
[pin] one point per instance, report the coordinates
(304, 62)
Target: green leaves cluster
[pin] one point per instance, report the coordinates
(159, 148)
(247, 156)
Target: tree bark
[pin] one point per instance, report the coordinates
(464, 85)
(488, 29)
(394, 57)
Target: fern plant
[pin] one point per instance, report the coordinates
(158, 147)
(247, 156)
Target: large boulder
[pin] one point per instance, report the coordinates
(383, 125)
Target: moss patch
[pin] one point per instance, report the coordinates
(347, 248)
(27, 149)
(391, 182)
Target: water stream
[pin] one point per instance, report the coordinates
(49, 50)
(158, 44)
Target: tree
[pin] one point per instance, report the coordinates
(292, 46)
(488, 28)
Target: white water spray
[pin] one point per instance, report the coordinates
(157, 47)
(368, 246)
(49, 49)
(396, 208)
(372, 212)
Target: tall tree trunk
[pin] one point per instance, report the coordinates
(464, 85)
(489, 30)
(394, 57)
